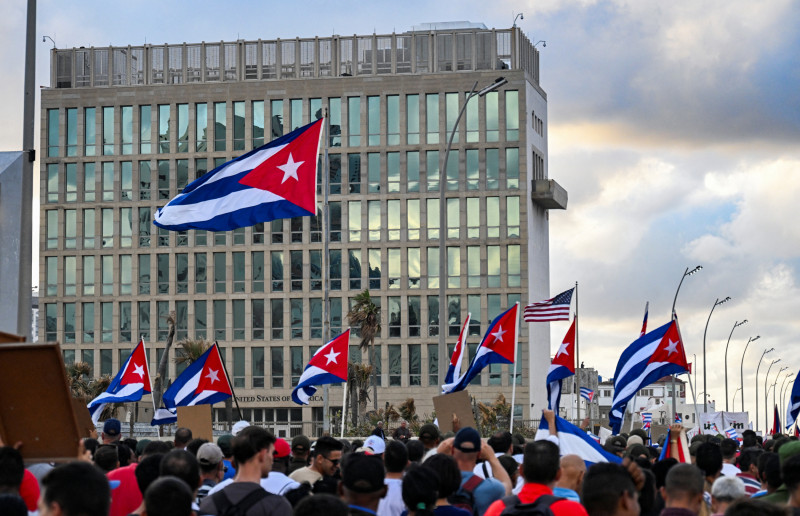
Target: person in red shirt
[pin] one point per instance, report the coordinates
(540, 468)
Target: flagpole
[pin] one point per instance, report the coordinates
(577, 359)
(691, 387)
(227, 377)
(513, 376)
(326, 323)
(344, 406)
(153, 398)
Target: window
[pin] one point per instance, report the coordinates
(238, 367)
(296, 269)
(374, 256)
(163, 179)
(493, 169)
(453, 217)
(296, 359)
(414, 364)
(512, 216)
(107, 275)
(220, 324)
(393, 263)
(201, 127)
(108, 181)
(395, 317)
(125, 274)
(276, 108)
(70, 229)
(512, 115)
(276, 318)
(432, 117)
(88, 275)
(473, 266)
(354, 121)
(354, 259)
(432, 170)
(513, 265)
(125, 322)
(106, 322)
(126, 129)
(474, 309)
(200, 319)
(276, 230)
(335, 213)
(295, 113)
(315, 268)
(52, 132)
(374, 121)
(473, 173)
(125, 227)
(51, 275)
(335, 121)
(433, 316)
(374, 220)
(472, 120)
(72, 131)
(492, 116)
(512, 168)
(276, 258)
(144, 181)
(395, 365)
(336, 315)
(412, 119)
(335, 268)
(145, 129)
(90, 131)
(220, 273)
(162, 273)
(493, 217)
(433, 218)
(258, 127)
(257, 367)
(144, 274)
(89, 182)
(354, 221)
(238, 271)
(393, 171)
(493, 266)
(144, 227)
(181, 273)
(315, 318)
(238, 125)
(451, 113)
(454, 267)
(296, 227)
(296, 315)
(237, 309)
(257, 268)
(276, 366)
(52, 229)
(163, 129)
(51, 322)
(88, 322)
(257, 311)
(433, 267)
(220, 126)
(433, 364)
(105, 362)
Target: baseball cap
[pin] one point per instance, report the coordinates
(209, 454)
(634, 439)
(112, 427)
(788, 450)
(375, 445)
(301, 443)
(363, 473)
(224, 443)
(428, 431)
(467, 440)
(281, 449)
(239, 426)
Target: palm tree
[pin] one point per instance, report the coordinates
(358, 376)
(161, 375)
(366, 316)
(85, 390)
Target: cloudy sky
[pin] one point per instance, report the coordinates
(675, 128)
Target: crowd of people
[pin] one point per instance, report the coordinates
(250, 472)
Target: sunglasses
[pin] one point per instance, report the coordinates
(335, 462)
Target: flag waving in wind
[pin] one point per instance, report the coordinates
(553, 309)
(497, 347)
(644, 323)
(203, 382)
(454, 369)
(562, 366)
(587, 394)
(657, 354)
(132, 381)
(794, 404)
(573, 440)
(275, 181)
(328, 365)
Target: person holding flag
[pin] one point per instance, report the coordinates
(130, 384)
(562, 366)
(454, 369)
(328, 365)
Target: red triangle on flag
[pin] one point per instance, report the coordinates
(291, 172)
(670, 349)
(136, 371)
(212, 376)
(502, 336)
(332, 357)
(565, 356)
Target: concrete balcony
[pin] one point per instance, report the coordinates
(549, 195)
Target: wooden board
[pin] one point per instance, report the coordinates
(35, 403)
(86, 426)
(198, 420)
(448, 404)
(10, 337)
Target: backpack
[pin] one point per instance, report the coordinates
(464, 498)
(540, 507)
(225, 507)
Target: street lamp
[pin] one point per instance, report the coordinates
(757, 369)
(741, 367)
(687, 272)
(443, 358)
(735, 325)
(784, 390)
(733, 401)
(774, 385)
(766, 394)
(705, 377)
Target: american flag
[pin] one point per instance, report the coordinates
(587, 393)
(554, 309)
(647, 419)
(731, 433)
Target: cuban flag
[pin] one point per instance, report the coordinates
(573, 440)
(731, 433)
(678, 418)
(454, 369)
(794, 404)
(679, 449)
(644, 323)
(562, 366)
(647, 419)
(204, 382)
(497, 347)
(328, 365)
(130, 384)
(776, 421)
(587, 394)
(275, 181)
(657, 354)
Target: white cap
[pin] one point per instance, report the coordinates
(239, 426)
(376, 444)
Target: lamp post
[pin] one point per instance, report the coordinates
(766, 394)
(443, 358)
(774, 385)
(735, 325)
(733, 401)
(783, 390)
(755, 419)
(687, 272)
(741, 367)
(717, 302)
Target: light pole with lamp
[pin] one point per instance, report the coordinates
(741, 367)
(774, 385)
(717, 302)
(766, 394)
(783, 390)
(687, 272)
(770, 350)
(443, 358)
(733, 401)
(735, 325)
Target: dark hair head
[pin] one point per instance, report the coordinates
(90, 444)
(156, 447)
(125, 454)
(709, 459)
(182, 436)
(78, 488)
(12, 468)
(195, 444)
(728, 448)
(790, 471)
(131, 443)
(12, 505)
(395, 458)
(420, 489)
(106, 457)
(684, 480)
(500, 442)
(447, 470)
(769, 469)
(509, 464)
(321, 503)
(641, 433)
(749, 456)
(755, 507)
(415, 450)
(603, 485)
(327, 444)
(249, 442)
(168, 496)
(541, 462)
(148, 470)
(181, 464)
(660, 470)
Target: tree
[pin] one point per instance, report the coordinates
(366, 316)
(161, 375)
(358, 376)
(85, 390)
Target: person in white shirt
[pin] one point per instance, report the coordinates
(395, 459)
(729, 448)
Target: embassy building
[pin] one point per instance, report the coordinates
(125, 129)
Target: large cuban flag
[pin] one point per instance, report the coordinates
(204, 382)
(275, 181)
(573, 440)
(562, 366)
(653, 356)
(328, 365)
(497, 347)
(794, 404)
(130, 384)
(454, 369)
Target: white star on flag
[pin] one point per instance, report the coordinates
(498, 335)
(290, 168)
(672, 347)
(137, 369)
(213, 375)
(562, 349)
(331, 356)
